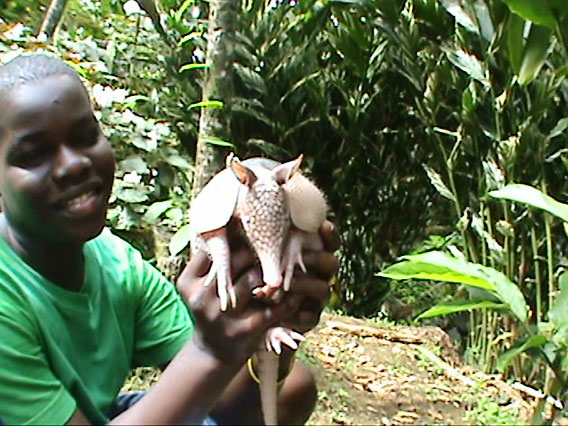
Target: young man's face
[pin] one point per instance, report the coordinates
(56, 167)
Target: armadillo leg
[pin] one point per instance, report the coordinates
(292, 256)
(218, 248)
(276, 336)
(268, 374)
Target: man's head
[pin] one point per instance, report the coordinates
(56, 167)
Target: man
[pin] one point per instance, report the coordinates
(79, 307)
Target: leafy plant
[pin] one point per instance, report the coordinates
(548, 341)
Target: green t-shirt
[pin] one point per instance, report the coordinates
(61, 350)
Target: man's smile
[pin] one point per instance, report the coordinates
(81, 201)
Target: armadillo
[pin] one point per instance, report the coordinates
(278, 208)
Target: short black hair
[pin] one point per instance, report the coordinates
(29, 68)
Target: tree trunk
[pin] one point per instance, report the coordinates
(215, 122)
(51, 18)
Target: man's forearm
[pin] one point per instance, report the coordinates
(186, 392)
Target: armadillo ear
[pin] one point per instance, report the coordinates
(284, 172)
(245, 175)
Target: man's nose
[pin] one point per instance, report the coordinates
(70, 164)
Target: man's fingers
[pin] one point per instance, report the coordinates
(321, 263)
(311, 289)
(330, 236)
(198, 266)
(260, 319)
(242, 259)
(245, 284)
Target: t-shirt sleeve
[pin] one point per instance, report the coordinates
(29, 392)
(163, 323)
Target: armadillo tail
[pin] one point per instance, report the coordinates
(268, 373)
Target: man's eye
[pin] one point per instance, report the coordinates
(29, 157)
(89, 138)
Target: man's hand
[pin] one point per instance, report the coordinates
(231, 336)
(311, 290)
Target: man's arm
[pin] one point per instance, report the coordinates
(209, 373)
(194, 380)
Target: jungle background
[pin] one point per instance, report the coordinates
(436, 129)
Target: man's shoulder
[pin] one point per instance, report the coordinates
(112, 251)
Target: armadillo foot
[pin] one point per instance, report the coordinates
(268, 293)
(218, 248)
(277, 336)
(292, 256)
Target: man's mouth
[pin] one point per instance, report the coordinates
(78, 202)
(84, 203)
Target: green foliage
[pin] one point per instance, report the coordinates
(440, 266)
(488, 411)
(548, 341)
(532, 197)
(412, 115)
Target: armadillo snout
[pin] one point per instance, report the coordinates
(265, 218)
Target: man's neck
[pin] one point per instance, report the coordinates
(62, 264)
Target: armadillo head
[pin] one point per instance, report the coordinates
(264, 214)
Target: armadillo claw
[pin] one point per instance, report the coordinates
(210, 276)
(268, 293)
(225, 290)
(277, 336)
(292, 256)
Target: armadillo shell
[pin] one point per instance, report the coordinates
(214, 206)
(306, 203)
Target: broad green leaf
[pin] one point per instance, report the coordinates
(438, 266)
(180, 240)
(142, 142)
(131, 101)
(346, 1)
(207, 104)
(251, 78)
(558, 314)
(441, 266)
(212, 140)
(462, 17)
(132, 195)
(534, 53)
(508, 292)
(515, 41)
(186, 39)
(185, 5)
(560, 127)
(438, 183)
(536, 11)
(298, 84)
(454, 307)
(179, 162)
(532, 342)
(155, 211)
(532, 197)
(176, 215)
(469, 64)
(483, 17)
(134, 164)
(191, 67)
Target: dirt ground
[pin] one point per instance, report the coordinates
(369, 373)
